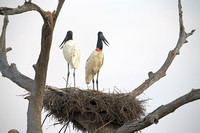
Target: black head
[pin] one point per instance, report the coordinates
(101, 40)
(69, 36)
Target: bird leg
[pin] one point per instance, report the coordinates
(67, 75)
(97, 82)
(74, 78)
(87, 86)
(93, 83)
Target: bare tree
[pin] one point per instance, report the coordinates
(38, 89)
(36, 86)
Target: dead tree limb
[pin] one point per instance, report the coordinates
(38, 84)
(11, 71)
(154, 77)
(3, 36)
(27, 6)
(159, 113)
(57, 11)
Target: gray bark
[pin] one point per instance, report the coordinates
(36, 86)
(159, 113)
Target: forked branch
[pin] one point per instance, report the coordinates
(154, 77)
(27, 6)
(38, 84)
(11, 71)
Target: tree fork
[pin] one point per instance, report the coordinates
(38, 84)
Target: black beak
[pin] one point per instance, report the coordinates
(104, 40)
(64, 41)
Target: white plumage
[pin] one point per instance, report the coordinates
(93, 65)
(71, 52)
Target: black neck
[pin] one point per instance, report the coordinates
(99, 44)
(69, 37)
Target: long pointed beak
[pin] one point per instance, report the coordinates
(64, 41)
(104, 40)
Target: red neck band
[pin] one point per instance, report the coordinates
(97, 49)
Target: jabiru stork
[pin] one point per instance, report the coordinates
(71, 52)
(95, 61)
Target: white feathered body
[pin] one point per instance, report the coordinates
(71, 52)
(93, 65)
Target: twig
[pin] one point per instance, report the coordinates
(103, 126)
(65, 125)
(45, 118)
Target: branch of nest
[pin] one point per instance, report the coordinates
(159, 113)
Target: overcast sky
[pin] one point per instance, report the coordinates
(140, 33)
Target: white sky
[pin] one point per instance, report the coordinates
(140, 34)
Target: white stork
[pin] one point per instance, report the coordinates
(95, 61)
(71, 52)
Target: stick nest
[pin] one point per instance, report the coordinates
(94, 108)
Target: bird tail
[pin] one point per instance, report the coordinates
(88, 78)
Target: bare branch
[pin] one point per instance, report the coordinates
(3, 36)
(10, 71)
(159, 113)
(154, 77)
(56, 13)
(38, 84)
(49, 22)
(8, 49)
(27, 6)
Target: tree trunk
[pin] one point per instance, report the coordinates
(38, 84)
